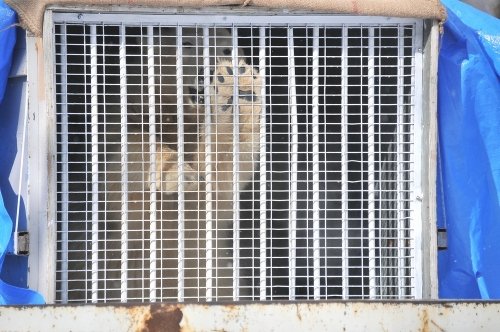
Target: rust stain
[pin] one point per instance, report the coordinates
(447, 305)
(137, 313)
(40, 69)
(425, 321)
(233, 312)
(163, 318)
(436, 325)
(299, 316)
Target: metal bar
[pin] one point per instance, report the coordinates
(20, 179)
(294, 143)
(94, 125)
(64, 165)
(124, 166)
(299, 20)
(316, 191)
(372, 273)
(208, 165)
(236, 169)
(326, 152)
(344, 165)
(399, 159)
(152, 165)
(479, 316)
(180, 165)
(387, 281)
(262, 169)
(407, 221)
(415, 160)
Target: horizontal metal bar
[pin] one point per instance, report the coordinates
(291, 316)
(151, 19)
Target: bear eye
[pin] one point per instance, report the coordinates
(186, 43)
(226, 51)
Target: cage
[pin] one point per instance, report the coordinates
(196, 156)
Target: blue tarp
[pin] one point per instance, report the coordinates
(9, 294)
(469, 154)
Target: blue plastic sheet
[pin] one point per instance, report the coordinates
(9, 294)
(469, 154)
(7, 41)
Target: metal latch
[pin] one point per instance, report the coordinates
(442, 239)
(23, 243)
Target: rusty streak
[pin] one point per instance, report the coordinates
(163, 318)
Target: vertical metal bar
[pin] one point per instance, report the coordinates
(325, 154)
(236, 170)
(64, 165)
(399, 159)
(124, 166)
(294, 144)
(21, 178)
(415, 162)
(208, 165)
(180, 165)
(371, 165)
(94, 127)
(316, 191)
(262, 168)
(344, 175)
(152, 165)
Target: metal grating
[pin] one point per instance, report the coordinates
(237, 158)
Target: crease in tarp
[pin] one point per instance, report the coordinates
(9, 294)
(469, 154)
(31, 11)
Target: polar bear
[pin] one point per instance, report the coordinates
(162, 218)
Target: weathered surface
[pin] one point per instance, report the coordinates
(298, 316)
(31, 11)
